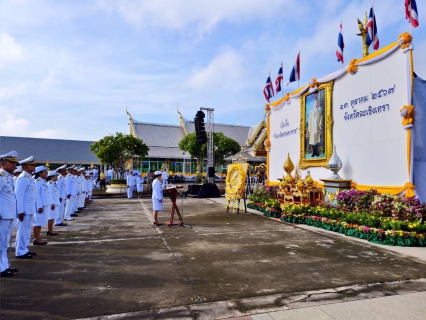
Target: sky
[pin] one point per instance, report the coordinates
(68, 69)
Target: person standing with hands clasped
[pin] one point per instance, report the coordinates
(44, 203)
(7, 209)
(157, 196)
(53, 213)
(26, 199)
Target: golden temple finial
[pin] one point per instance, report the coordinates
(288, 167)
(130, 117)
(363, 33)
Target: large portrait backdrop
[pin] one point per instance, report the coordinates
(359, 113)
(316, 127)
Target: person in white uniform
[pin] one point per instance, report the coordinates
(89, 187)
(62, 186)
(139, 186)
(17, 172)
(44, 204)
(165, 179)
(53, 212)
(7, 209)
(157, 196)
(26, 200)
(71, 194)
(130, 181)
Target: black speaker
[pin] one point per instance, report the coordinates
(211, 172)
(200, 127)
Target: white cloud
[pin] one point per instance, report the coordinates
(11, 91)
(12, 126)
(10, 50)
(192, 16)
(47, 82)
(223, 71)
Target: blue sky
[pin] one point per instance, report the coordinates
(69, 68)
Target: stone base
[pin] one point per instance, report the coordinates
(116, 188)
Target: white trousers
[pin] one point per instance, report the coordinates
(75, 203)
(61, 212)
(81, 201)
(69, 208)
(5, 234)
(130, 192)
(23, 236)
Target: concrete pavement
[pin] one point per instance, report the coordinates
(112, 263)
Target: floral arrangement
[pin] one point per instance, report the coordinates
(380, 218)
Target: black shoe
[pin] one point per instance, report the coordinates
(6, 273)
(51, 233)
(13, 270)
(24, 256)
(32, 254)
(36, 243)
(74, 214)
(78, 211)
(62, 224)
(157, 224)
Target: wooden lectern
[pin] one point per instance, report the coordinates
(172, 192)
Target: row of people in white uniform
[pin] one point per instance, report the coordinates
(135, 181)
(36, 202)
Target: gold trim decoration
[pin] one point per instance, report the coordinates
(328, 123)
(267, 144)
(407, 113)
(405, 40)
(313, 83)
(392, 190)
(352, 68)
(267, 109)
(287, 96)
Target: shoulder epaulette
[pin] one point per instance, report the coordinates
(2, 173)
(50, 182)
(37, 179)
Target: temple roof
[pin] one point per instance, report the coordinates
(50, 150)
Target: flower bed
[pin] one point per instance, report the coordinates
(366, 215)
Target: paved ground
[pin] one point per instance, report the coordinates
(112, 261)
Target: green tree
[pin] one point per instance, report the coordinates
(223, 147)
(119, 148)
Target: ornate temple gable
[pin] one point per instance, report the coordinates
(182, 122)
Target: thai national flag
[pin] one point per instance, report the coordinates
(340, 45)
(268, 91)
(295, 72)
(411, 13)
(279, 79)
(372, 36)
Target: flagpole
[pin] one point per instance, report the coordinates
(282, 80)
(343, 43)
(374, 22)
(299, 72)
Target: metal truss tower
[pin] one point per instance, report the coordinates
(209, 130)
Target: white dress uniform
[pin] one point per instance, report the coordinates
(139, 184)
(7, 214)
(165, 175)
(71, 192)
(54, 199)
(130, 183)
(43, 201)
(157, 195)
(26, 199)
(83, 191)
(62, 195)
(77, 196)
(89, 187)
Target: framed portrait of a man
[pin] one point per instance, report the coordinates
(316, 127)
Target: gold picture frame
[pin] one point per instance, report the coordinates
(316, 122)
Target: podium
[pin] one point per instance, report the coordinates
(172, 192)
